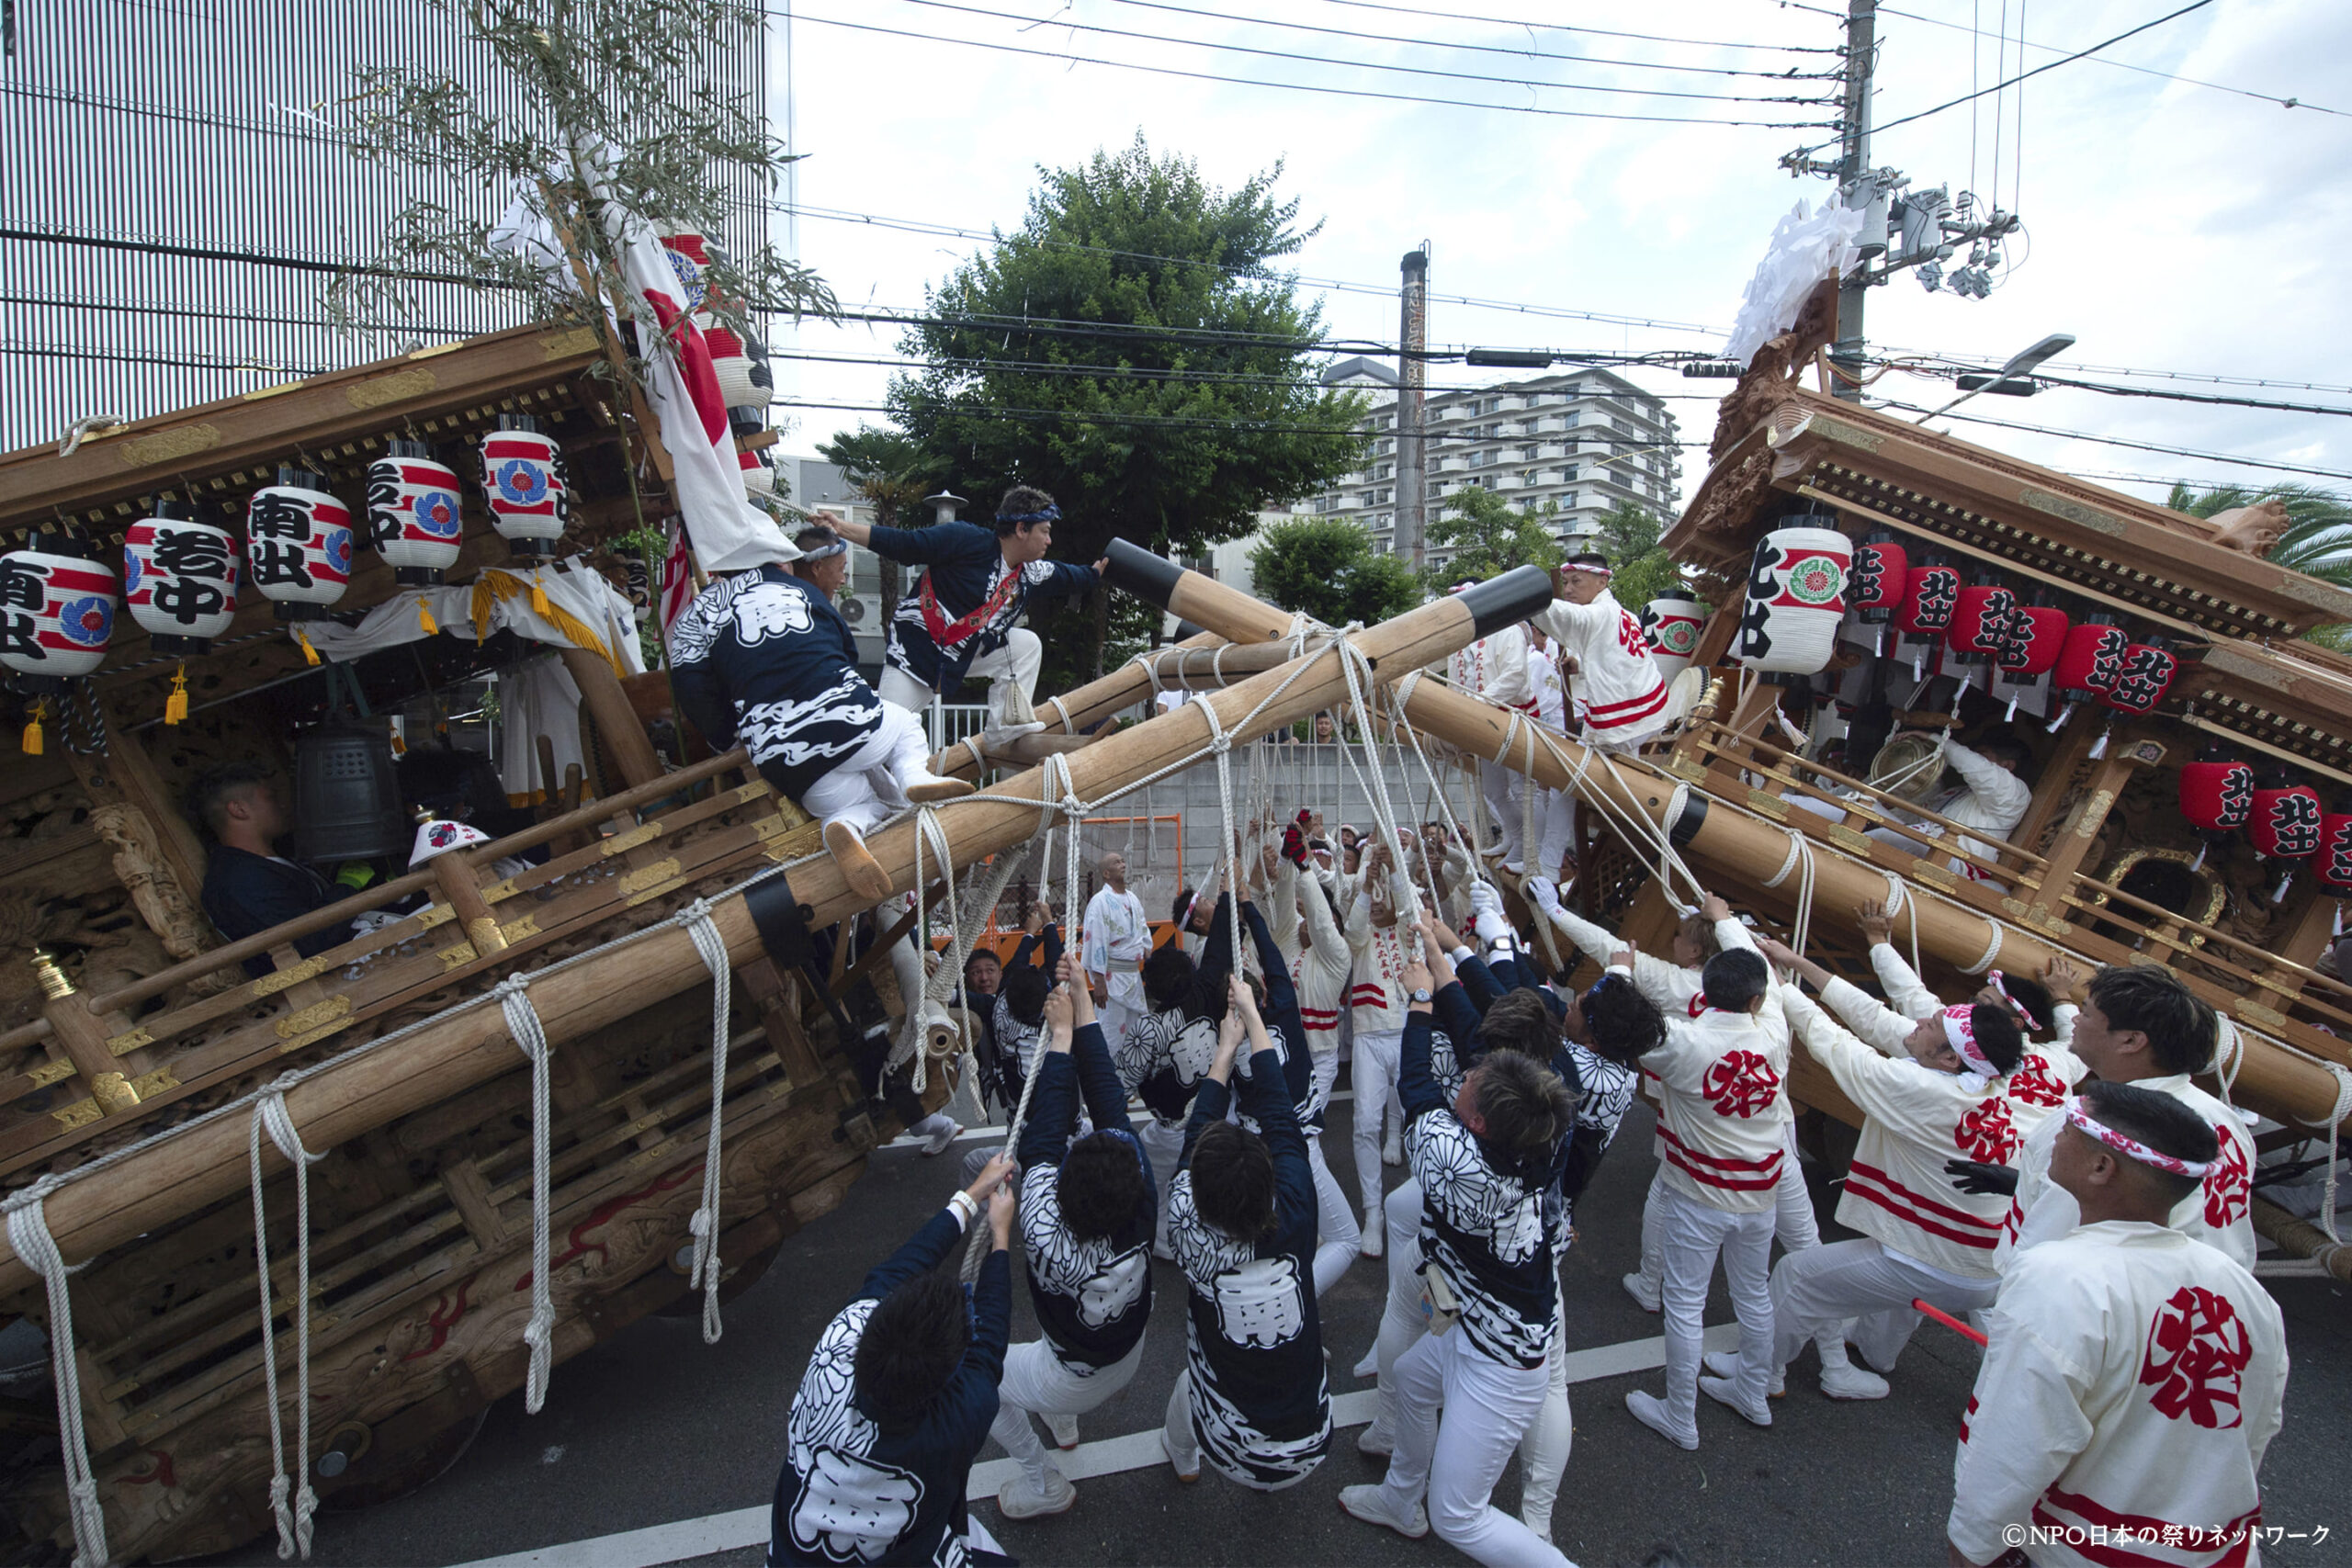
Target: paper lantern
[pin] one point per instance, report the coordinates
(2037, 635)
(2146, 675)
(1882, 571)
(2092, 660)
(1930, 594)
(1672, 624)
(522, 474)
(1979, 627)
(2284, 820)
(180, 578)
(2216, 792)
(298, 544)
(1796, 597)
(56, 610)
(2333, 863)
(689, 257)
(413, 514)
(759, 474)
(745, 378)
(437, 836)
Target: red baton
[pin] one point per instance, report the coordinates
(1948, 1320)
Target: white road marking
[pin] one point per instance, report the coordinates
(657, 1544)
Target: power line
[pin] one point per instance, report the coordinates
(2162, 395)
(2120, 441)
(1062, 57)
(1591, 33)
(1257, 52)
(1792, 74)
(1032, 415)
(2023, 76)
(1925, 363)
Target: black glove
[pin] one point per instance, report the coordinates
(1983, 1180)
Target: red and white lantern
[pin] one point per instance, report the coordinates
(412, 515)
(298, 544)
(2333, 863)
(180, 578)
(2284, 824)
(56, 610)
(689, 257)
(1882, 571)
(522, 475)
(1796, 597)
(740, 362)
(2146, 677)
(759, 475)
(1672, 624)
(2216, 796)
(2037, 636)
(1930, 595)
(2090, 663)
(1980, 624)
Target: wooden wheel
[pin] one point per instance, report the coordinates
(389, 1467)
(739, 1278)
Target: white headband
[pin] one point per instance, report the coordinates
(2078, 1118)
(1599, 571)
(1960, 1028)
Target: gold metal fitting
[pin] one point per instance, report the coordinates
(53, 982)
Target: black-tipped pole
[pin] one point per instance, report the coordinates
(1186, 630)
(1135, 570)
(1518, 594)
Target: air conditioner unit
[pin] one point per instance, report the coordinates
(862, 613)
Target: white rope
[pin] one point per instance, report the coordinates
(530, 1037)
(29, 1234)
(1800, 860)
(293, 1522)
(1899, 901)
(704, 1225)
(1992, 952)
(1221, 744)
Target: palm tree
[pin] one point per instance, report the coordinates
(893, 475)
(2317, 543)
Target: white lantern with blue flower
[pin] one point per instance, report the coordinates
(412, 516)
(522, 473)
(56, 617)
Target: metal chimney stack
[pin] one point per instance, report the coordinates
(1412, 451)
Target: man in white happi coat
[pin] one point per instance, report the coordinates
(1494, 668)
(2132, 1378)
(1619, 696)
(1116, 941)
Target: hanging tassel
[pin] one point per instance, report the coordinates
(540, 605)
(175, 706)
(1878, 641)
(2099, 747)
(2010, 716)
(309, 653)
(2198, 863)
(2065, 713)
(424, 616)
(2283, 881)
(34, 744)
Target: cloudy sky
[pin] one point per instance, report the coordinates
(2171, 226)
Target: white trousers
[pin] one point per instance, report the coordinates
(1338, 1236)
(868, 784)
(1164, 1147)
(1010, 670)
(1459, 1415)
(1116, 1017)
(1544, 1452)
(1558, 818)
(1860, 1280)
(1401, 1323)
(1693, 1236)
(1497, 785)
(1795, 1227)
(1376, 1068)
(1037, 1381)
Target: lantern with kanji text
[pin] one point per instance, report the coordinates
(298, 544)
(180, 578)
(1796, 597)
(1671, 622)
(2090, 662)
(2216, 796)
(2283, 823)
(2331, 864)
(522, 475)
(2145, 676)
(1930, 594)
(413, 514)
(56, 617)
(1979, 627)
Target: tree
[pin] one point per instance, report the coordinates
(1487, 536)
(1131, 349)
(1328, 567)
(893, 475)
(2318, 540)
(1629, 536)
(584, 87)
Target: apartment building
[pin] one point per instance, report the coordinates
(1586, 440)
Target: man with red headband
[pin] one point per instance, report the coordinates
(2132, 1378)
(1620, 693)
(960, 620)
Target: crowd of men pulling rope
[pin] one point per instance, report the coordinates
(2034, 1159)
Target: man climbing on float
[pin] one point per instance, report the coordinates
(762, 656)
(959, 621)
(1619, 698)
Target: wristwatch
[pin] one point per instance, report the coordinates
(1420, 993)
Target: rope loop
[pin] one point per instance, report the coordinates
(530, 1038)
(292, 1508)
(29, 1234)
(704, 1224)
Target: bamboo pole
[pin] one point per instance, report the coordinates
(161, 1181)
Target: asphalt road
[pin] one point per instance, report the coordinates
(653, 1427)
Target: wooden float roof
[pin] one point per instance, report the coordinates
(2153, 565)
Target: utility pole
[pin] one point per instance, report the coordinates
(1853, 168)
(1410, 539)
